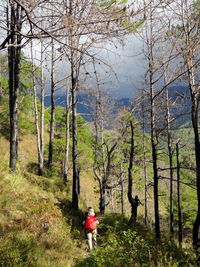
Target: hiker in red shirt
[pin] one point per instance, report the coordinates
(90, 225)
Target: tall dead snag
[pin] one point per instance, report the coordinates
(195, 98)
(130, 178)
(74, 81)
(170, 155)
(189, 49)
(180, 231)
(135, 202)
(122, 189)
(154, 140)
(42, 85)
(39, 114)
(66, 157)
(145, 178)
(52, 121)
(14, 23)
(36, 111)
(159, 59)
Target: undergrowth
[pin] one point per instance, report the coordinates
(33, 230)
(120, 244)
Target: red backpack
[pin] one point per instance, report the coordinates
(90, 223)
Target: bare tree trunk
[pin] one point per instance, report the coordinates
(145, 170)
(195, 97)
(99, 139)
(145, 183)
(190, 54)
(170, 154)
(180, 231)
(130, 179)
(153, 128)
(41, 162)
(66, 158)
(122, 190)
(75, 188)
(36, 112)
(52, 122)
(14, 53)
(105, 176)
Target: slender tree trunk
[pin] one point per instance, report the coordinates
(104, 180)
(153, 129)
(52, 121)
(14, 53)
(36, 113)
(145, 190)
(195, 97)
(180, 231)
(156, 203)
(122, 190)
(170, 154)
(130, 178)
(189, 54)
(154, 159)
(75, 188)
(66, 158)
(145, 173)
(41, 162)
(99, 139)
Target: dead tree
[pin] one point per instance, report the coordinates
(66, 157)
(180, 231)
(52, 120)
(187, 18)
(14, 39)
(130, 178)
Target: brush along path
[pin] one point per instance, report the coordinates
(33, 231)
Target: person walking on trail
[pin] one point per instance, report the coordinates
(102, 206)
(135, 203)
(90, 225)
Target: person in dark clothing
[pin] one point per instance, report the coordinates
(136, 202)
(102, 206)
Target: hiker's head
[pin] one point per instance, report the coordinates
(91, 212)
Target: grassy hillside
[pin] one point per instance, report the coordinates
(38, 227)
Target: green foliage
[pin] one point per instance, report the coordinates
(32, 229)
(111, 3)
(26, 115)
(84, 137)
(132, 26)
(120, 245)
(25, 101)
(4, 85)
(18, 249)
(26, 73)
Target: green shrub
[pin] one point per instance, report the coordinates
(122, 246)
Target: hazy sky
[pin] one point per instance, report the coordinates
(126, 61)
(127, 67)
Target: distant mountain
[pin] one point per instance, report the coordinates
(84, 103)
(84, 106)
